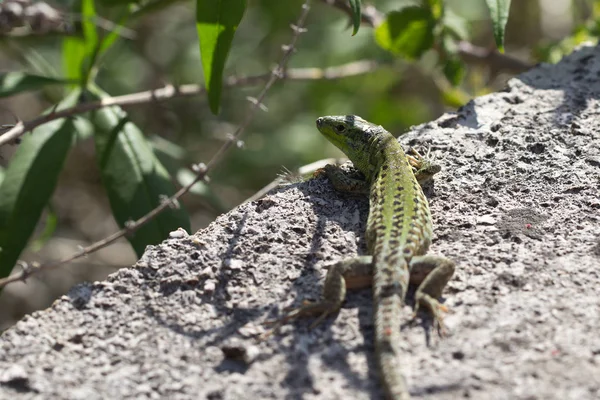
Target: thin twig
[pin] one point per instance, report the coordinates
(300, 172)
(107, 25)
(492, 58)
(169, 92)
(201, 169)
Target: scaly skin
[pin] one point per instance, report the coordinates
(398, 235)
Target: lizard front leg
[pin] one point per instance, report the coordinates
(348, 182)
(423, 167)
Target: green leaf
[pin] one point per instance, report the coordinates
(73, 54)
(355, 7)
(29, 181)
(17, 82)
(216, 23)
(454, 97)
(436, 8)
(49, 229)
(407, 33)
(454, 70)
(79, 53)
(499, 14)
(108, 40)
(88, 26)
(135, 181)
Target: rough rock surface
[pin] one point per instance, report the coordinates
(516, 206)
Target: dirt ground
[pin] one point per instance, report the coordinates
(516, 206)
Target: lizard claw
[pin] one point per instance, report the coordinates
(424, 167)
(275, 324)
(319, 319)
(436, 309)
(307, 308)
(319, 172)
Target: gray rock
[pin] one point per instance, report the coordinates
(516, 206)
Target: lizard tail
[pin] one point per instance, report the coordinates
(393, 382)
(388, 294)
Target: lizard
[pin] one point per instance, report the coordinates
(398, 234)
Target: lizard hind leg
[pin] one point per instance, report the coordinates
(351, 273)
(432, 273)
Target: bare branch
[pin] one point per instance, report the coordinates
(351, 69)
(107, 25)
(495, 60)
(202, 170)
(169, 92)
(22, 18)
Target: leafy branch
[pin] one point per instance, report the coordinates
(201, 169)
(496, 60)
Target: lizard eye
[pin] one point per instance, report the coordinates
(340, 128)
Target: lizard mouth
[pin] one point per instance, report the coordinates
(319, 122)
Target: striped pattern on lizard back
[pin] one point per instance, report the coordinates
(398, 235)
(399, 227)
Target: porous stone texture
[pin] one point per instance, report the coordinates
(516, 206)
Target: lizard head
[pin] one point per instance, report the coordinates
(353, 135)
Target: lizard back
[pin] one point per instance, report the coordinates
(399, 227)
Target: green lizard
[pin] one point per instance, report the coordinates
(398, 235)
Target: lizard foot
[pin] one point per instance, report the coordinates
(319, 172)
(424, 167)
(437, 309)
(308, 308)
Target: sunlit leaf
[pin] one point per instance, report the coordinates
(79, 52)
(436, 7)
(499, 14)
(407, 33)
(454, 97)
(216, 23)
(113, 35)
(49, 229)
